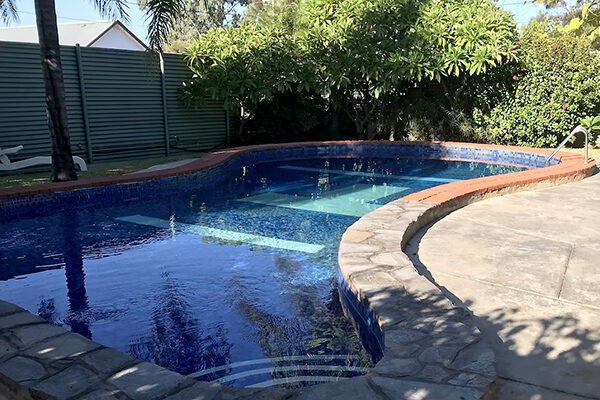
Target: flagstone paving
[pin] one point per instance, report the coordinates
(528, 266)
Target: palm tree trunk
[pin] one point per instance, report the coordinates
(63, 168)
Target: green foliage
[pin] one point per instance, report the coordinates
(281, 13)
(244, 66)
(556, 86)
(288, 118)
(446, 112)
(360, 56)
(586, 18)
(195, 17)
(592, 124)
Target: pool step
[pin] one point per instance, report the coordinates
(354, 200)
(238, 237)
(369, 174)
(284, 371)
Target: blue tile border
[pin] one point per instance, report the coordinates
(40, 204)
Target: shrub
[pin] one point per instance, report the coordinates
(556, 86)
(445, 112)
(293, 118)
(245, 67)
(592, 124)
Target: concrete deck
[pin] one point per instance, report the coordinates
(528, 266)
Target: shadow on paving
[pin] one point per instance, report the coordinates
(548, 356)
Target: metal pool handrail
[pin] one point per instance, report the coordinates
(573, 132)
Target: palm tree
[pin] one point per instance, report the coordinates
(161, 15)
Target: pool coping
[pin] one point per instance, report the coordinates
(430, 345)
(221, 156)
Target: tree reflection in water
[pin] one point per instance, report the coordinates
(318, 327)
(177, 341)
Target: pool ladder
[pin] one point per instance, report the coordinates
(579, 129)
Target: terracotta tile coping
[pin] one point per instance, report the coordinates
(571, 164)
(571, 167)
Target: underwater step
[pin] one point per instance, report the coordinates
(370, 174)
(238, 237)
(352, 201)
(301, 370)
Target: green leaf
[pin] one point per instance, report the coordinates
(573, 25)
(377, 92)
(585, 9)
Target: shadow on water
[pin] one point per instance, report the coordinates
(327, 343)
(553, 357)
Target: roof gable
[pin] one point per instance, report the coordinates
(84, 33)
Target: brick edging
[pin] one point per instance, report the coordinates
(219, 157)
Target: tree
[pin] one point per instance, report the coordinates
(162, 15)
(243, 66)
(583, 17)
(63, 168)
(360, 55)
(198, 16)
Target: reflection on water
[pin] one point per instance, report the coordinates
(233, 284)
(73, 260)
(177, 341)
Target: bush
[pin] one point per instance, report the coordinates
(293, 118)
(556, 86)
(445, 112)
(360, 57)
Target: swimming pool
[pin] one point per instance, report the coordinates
(232, 282)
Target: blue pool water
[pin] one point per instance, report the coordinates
(234, 283)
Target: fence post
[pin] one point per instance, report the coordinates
(164, 104)
(84, 109)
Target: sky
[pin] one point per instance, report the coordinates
(82, 10)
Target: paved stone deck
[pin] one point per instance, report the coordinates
(528, 266)
(427, 338)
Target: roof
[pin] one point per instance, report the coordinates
(70, 34)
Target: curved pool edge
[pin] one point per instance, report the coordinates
(217, 158)
(425, 335)
(428, 342)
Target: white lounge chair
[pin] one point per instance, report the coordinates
(6, 165)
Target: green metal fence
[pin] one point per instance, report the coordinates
(120, 106)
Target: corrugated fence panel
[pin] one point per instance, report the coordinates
(73, 100)
(123, 93)
(124, 100)
(191, 129)
(22, 105)
(22, 108)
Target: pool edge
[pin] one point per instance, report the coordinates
(411, 310)
(220, 157)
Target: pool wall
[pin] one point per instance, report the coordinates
(430, 347)
(216, 167)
